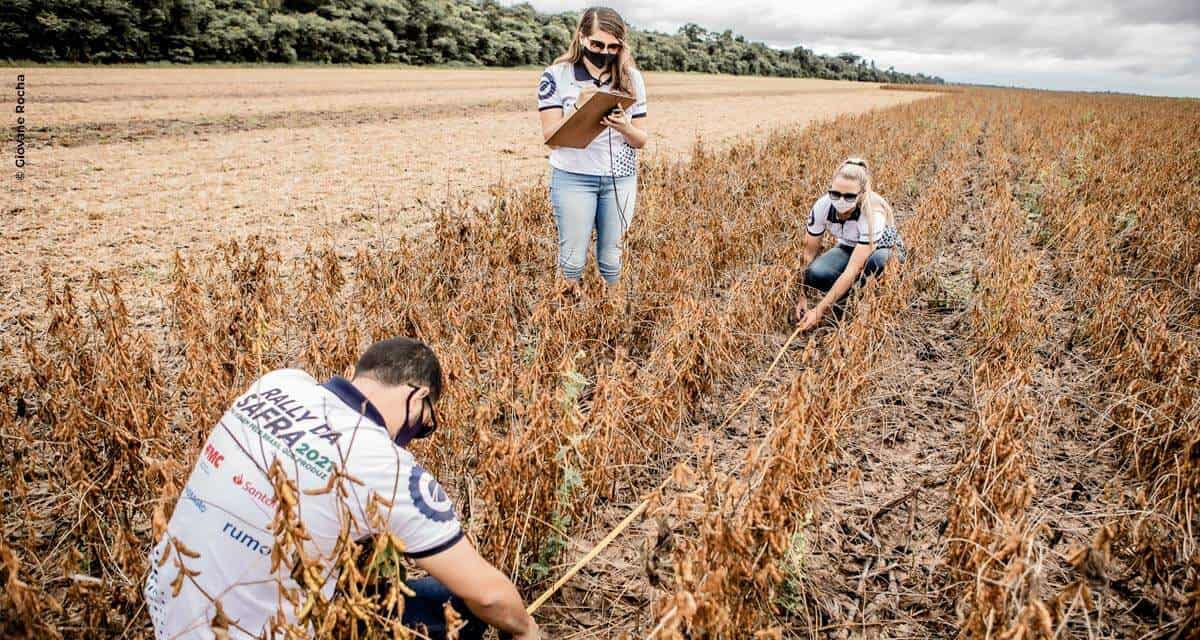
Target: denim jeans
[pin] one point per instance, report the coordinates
(425, 611)
(828, 266)
(583, 203)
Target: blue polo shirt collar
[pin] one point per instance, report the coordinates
(832, 216)
(583, 75)
(349, 394)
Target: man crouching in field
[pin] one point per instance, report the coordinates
(221, 529)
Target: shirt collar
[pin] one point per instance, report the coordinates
(832, 216)
(583, 75)
(349, 394)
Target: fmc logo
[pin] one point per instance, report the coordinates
(211, 458)
(214, 457)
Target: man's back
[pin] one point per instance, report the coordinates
(228, 504)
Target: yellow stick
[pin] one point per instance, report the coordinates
(612, 535)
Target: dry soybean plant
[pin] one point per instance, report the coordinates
(559, 408)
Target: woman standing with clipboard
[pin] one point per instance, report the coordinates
(594, 188)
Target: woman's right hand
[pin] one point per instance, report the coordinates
(532, 634)
(801, 308)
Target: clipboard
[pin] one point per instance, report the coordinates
(579, 129)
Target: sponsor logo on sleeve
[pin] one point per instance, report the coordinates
(547, 86)
(246, 539)
(427, 495)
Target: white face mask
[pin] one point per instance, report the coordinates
(842, 206)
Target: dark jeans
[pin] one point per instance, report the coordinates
(425, 610)
(828, 267)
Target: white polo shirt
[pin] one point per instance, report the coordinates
(226, 509)
(559, 88)
(853, 231)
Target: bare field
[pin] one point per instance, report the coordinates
(128, 165)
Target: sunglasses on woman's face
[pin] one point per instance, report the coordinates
(596, 45)
(838, 195)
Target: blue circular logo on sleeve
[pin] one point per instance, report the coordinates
(547, 86)
(427, 495)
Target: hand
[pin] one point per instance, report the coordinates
(801, 309)
(811, 318)
(533, 633)
(620, 120)
(584, 94)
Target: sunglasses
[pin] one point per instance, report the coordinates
(596, 45)
(838, 195)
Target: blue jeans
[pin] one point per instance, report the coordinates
(424, 611)
(828, 267)
(583, 203)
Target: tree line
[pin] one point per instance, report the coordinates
(418, 32)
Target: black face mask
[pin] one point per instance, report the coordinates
(601, 60)
(421, 429)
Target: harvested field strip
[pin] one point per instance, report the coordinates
(77, 134)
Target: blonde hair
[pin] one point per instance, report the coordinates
(856, 170)
(609, 22)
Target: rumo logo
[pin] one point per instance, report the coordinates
(247, 540)
(254, 492)
(214, 457)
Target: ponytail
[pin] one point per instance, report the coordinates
(856, 170)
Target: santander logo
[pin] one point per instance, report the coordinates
(263, 498)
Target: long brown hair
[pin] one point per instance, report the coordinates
(609, 22)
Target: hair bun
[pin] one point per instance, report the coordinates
(856, 161)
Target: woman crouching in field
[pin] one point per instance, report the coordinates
(865, 228)
(594, 188)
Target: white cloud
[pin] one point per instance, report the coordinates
(1150, 47)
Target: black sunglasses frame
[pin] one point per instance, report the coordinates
(605, 48)
(425, 429)
(838, 195)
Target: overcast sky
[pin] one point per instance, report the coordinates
(1150, 47)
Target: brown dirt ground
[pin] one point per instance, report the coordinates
(128, 165)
